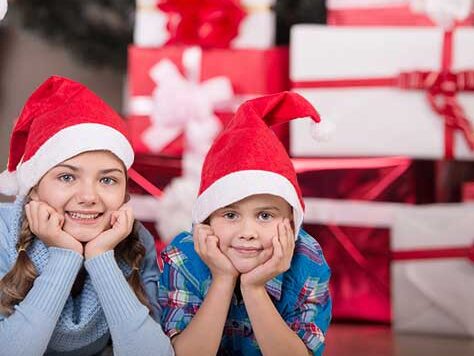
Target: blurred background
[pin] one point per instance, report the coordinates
(389, 196)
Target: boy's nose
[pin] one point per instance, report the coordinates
(248, 231)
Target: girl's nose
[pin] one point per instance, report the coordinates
(87, 194)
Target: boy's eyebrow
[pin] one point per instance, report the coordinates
(267, 208)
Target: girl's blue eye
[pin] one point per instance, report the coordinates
(66, 178)
(264, 216)
(108, 180)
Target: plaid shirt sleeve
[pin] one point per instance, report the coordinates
(178, 298)
(311, 314)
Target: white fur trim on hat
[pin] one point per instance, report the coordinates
(8, 183)
(239, 185)
(68, 143)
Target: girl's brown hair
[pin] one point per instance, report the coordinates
(16, 284)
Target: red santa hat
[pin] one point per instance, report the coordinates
(247, 158)
(60, 120)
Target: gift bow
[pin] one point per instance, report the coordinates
(441, 89)
(184, 104)
(206, 23)
(443, 12)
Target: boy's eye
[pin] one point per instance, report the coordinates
(67, 178)
(265, 216)
(108, 180)
(230, 215)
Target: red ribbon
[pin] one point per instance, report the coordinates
(207, 23)
(441, 89)
(144, 183)
(448, 252)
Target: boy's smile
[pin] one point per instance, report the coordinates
(246, 228)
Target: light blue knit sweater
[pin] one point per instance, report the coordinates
(39, 324)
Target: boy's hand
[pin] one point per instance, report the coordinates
(121, 222)
(206, 245)
(46, 224)
(283, 246)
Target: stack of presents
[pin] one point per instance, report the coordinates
(389, 195)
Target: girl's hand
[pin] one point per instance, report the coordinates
(283, 247)
(206, 245)
(121, 223)
(47, 225)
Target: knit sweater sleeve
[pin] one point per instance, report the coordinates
(28, 329)
(133, 330)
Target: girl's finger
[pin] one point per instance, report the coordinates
(28, 213)
(114, 218)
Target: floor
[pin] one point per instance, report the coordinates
(370, 340)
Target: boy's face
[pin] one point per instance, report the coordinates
(86, 189)
(246, 228)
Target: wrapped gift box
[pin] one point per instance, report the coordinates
(238, 24)
(433, 270)
(382, 89)
(468, 192)
(380, 13)
(250, 72)
(349, 209)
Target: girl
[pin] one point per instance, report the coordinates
(75, 269)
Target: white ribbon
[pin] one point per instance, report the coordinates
(184, 104)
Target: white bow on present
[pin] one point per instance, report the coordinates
(183, 104)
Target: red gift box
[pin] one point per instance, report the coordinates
(357, 248)
(251, 73)
(376, 13)
(468, 192)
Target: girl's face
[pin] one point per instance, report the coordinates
(86, 189)
(246, 228)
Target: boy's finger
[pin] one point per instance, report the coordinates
(277, 248)
(202, 236)
(283, 235)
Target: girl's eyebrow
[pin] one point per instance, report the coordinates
(77, 169)
(72, 168)
(111, 170)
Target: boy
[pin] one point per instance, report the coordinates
(249, 280)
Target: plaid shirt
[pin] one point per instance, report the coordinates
(300, 295)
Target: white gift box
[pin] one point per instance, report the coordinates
(433, 295)
(375, 121)
(150, 25)
(257, 30)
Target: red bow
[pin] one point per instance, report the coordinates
(207, 23)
